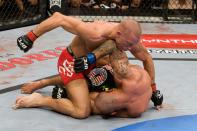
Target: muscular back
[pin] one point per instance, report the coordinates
(87, 42)
(136, 82)
(133, 93)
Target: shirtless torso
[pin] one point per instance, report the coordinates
(84, 43)
(132, 96)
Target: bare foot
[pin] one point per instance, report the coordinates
(30, 87)
(28, 101)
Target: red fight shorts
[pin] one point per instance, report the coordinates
(66, 68)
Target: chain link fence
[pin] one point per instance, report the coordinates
(18, 13)
(156, 11)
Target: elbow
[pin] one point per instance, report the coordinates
(58, 18)
(101, 105)
(148, 58)
(81, 115)
(56, 14)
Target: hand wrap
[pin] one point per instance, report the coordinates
(157, 96)
(25, 42)
(82, 63)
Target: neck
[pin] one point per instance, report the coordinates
(110, 32)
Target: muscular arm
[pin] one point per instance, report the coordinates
(114, 100)
(82, 63)
(68, 23)
(118, 59)
(105, 49)
(57, 20)
(141, 53)
(149, 67)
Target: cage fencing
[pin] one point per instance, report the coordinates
(19, 13)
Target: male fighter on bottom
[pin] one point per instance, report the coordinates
(129, 97)
(132, 94)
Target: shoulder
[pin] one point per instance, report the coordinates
(140, 51)
(138, 48)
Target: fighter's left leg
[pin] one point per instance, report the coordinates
(77, 106)
(32, 100)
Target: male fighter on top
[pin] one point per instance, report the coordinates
(89, 36)
(120, 89)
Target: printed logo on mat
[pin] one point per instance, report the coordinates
(9, 61)
(172, 51)
(176, 41)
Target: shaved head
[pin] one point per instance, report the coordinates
(131, 29)
(131, 25)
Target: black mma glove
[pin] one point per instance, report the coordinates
(157, 96)
(59, 92)
(82, 63)
(25, 42)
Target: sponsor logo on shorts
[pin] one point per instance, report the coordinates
(67, 68)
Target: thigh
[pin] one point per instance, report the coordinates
(78, 93)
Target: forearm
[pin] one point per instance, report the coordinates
(47, 25)
(54, 80)
(82, 63)
(104, 49)
(149, 67)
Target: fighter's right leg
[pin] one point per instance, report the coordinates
(30, 87)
